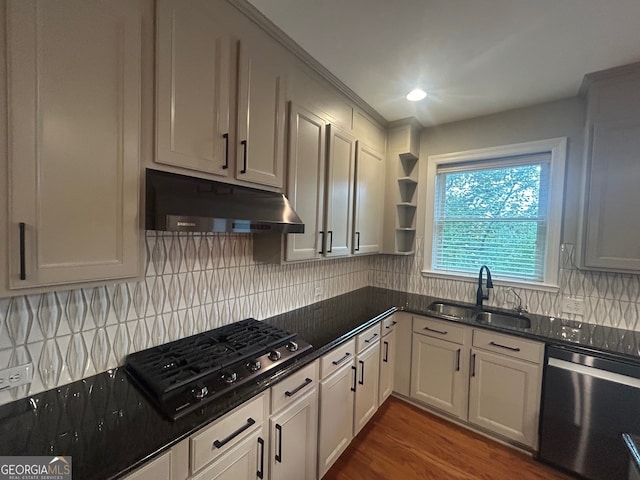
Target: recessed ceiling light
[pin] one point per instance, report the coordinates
(416, 95)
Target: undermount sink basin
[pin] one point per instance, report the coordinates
(503, 320)
(451, 310)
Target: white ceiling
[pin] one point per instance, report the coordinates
(473, 57)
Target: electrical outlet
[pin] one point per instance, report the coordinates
(573, 305)
(317, 292)
(381, 279)
(15, 376)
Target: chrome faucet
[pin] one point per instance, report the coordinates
(481, 295)
(517, 306)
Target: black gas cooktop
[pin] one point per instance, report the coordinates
(180, 376)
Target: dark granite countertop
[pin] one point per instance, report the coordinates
(632, 443)
(109, 428)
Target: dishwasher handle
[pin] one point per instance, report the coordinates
(589, 362)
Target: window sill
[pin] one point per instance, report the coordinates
(543, 287)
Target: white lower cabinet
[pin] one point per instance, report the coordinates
(293, 427)
(366, 402)
(491, 380)
(243, 462)
(387, 362)
(171, 465)
(504, 389)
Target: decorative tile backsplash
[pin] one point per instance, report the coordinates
(610, 299)
(197, 282)
(192, 283)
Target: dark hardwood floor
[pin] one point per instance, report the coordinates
(404, 442)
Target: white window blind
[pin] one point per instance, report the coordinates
(493, 212)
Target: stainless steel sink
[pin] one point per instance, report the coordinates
(452, 310)
(500, 319)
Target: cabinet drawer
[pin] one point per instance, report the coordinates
(439, 329)
(367, 338)
(227, 432)
(294, 386)
(508, 345)
(389, 324)
(337, 357)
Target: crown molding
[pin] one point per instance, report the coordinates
(268, 26)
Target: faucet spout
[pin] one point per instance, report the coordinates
(481, 294)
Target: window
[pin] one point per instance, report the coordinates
(501, 207)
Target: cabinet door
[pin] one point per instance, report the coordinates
(244, 462)
(74, 72)
(366, 403)
(335, 419)
(305, 187)
(369, 198)
(613, 200)
(439, 374)
(261, 113)
(504, 396)
(340, 184)
(387, 364)
(294, 440)
(194, 76)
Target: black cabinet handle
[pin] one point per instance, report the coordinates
(392, 324)
(369, 340)
(321, 243)
(441, 332)
(458, 360)
(23, 267)
(244, 156)
(223, 442)
(291, 393)
(386, 352)
(260, 473)
(357, 242)
(279, 454)
(340, 360)
(513, 349)
(361, 382)
(226, 154)
(355, 375)
(473, 365)
(330, 241)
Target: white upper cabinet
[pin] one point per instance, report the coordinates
(74, 140)
(610, 221)
(195, 74)
(209, 54)
(369, 198)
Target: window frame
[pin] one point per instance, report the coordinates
(557, 148)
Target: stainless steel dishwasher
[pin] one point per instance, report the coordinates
(589, 399)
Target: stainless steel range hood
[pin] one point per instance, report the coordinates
(177, 203)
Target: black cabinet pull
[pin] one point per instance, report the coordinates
(369, 340)
(330, 241)
(386, 352)
(23, 266)
(340, 360)
(244, 156)
(279, 454)
(458, 360)
(321, 243)
(513, 349)
(441, 332)
(361, 382)
(357, 241)
(392, 324)
(260, 473)
(223, 442)
(226, 154)
(355, 375)
(473, 365)
(306, 382)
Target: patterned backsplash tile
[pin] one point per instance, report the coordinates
(192, 283)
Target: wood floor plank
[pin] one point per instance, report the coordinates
(404, 442)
